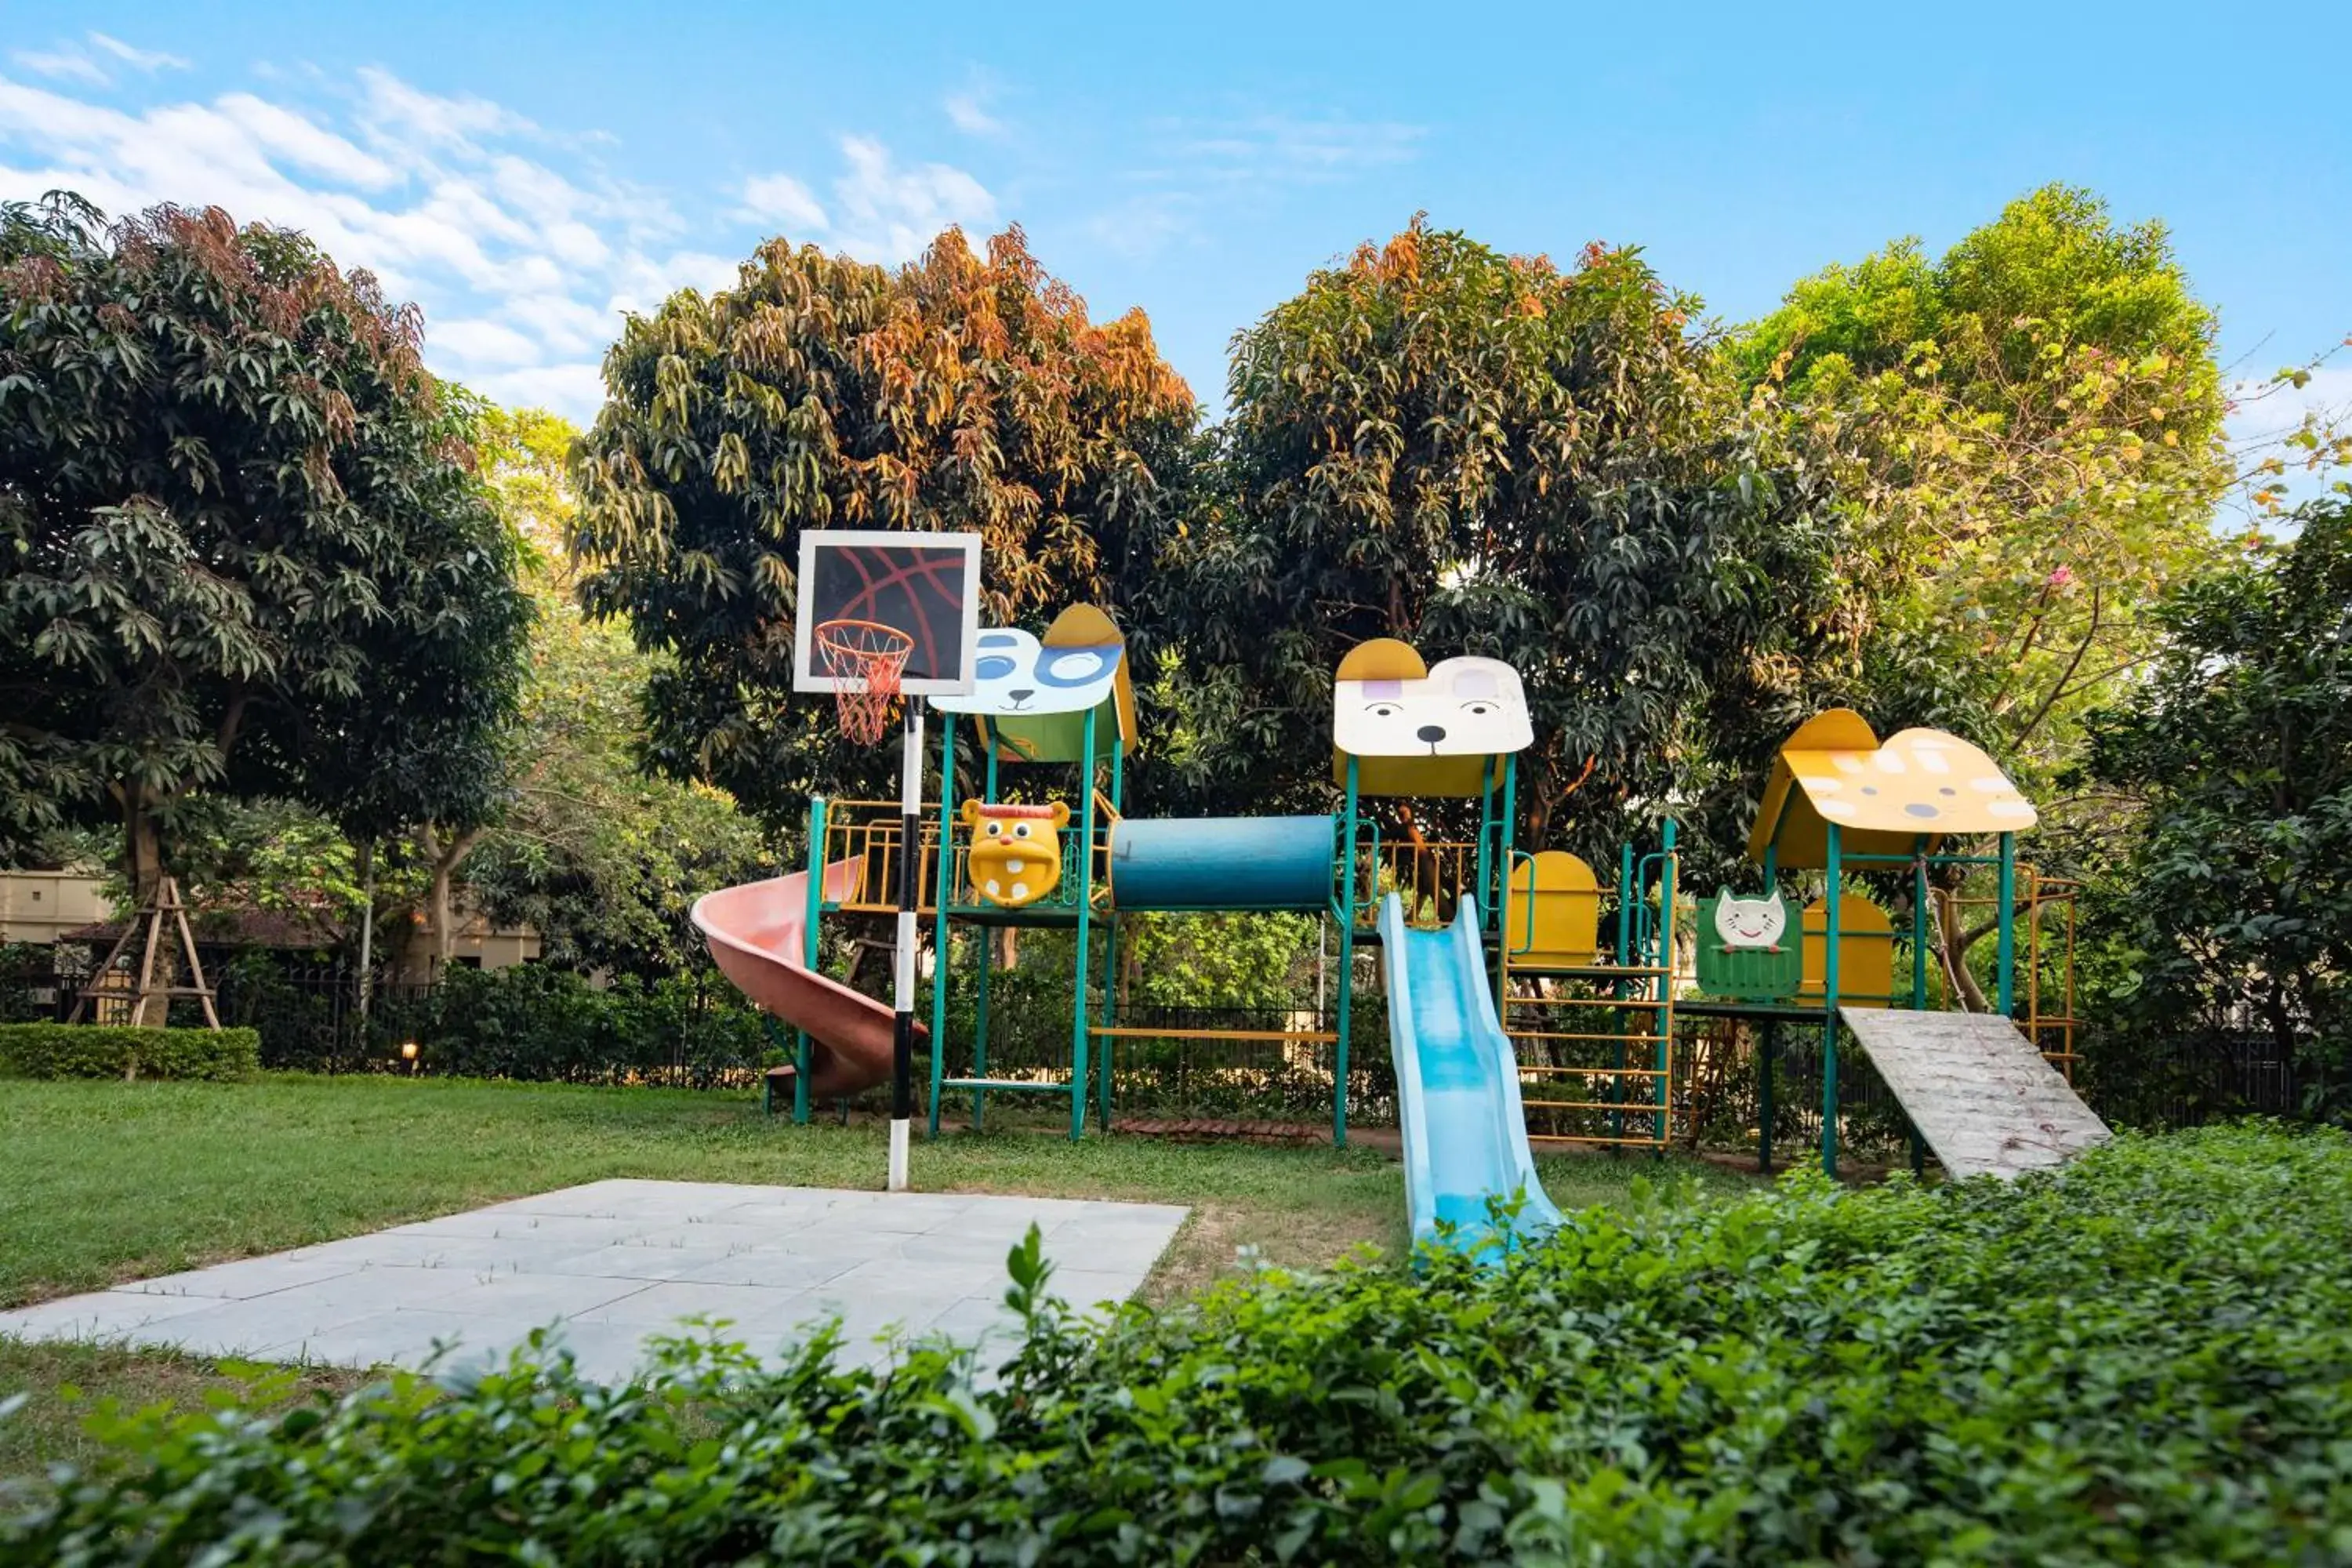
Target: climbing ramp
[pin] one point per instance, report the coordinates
(1977, 1089)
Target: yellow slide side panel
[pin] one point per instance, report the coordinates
(1865, 952)
(1554, 915)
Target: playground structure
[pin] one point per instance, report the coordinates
(1527, 1003)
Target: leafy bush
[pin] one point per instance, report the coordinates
(536, 1022)
(94, 1050)
(2146, 1357)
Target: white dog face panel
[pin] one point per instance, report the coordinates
(1017, 674)
(1465, 707)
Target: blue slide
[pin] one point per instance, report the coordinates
(1465, 1133)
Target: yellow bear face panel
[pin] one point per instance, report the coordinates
(1017, 852)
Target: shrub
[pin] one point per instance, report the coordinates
(2145, 1357)
(95, 1050)
(536, 1022)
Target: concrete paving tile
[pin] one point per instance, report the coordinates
(779, 1269)
(246, 1278)
(695, 1232)
(103, 1315)
(1087, 1288)
(579, 1230)
(252, 1327)
(758, 1313)
(528, 1298)
(632, 1260)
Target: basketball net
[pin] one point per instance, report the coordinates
(865, 658)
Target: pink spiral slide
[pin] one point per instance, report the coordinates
(758, 936)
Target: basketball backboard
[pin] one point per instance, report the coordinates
(924, 585)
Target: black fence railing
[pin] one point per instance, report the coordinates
(693, 1030)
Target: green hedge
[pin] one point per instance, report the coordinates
(96, 1050)
(2146, 1358)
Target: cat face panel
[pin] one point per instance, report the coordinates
(1751, 923)
(1017, 674)
(1465, 707)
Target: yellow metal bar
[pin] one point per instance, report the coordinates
(1130, 1031)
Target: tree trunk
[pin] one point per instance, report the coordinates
(1953, 944)
(444, 857)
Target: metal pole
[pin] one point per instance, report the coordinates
(2007, 973)
(910, 876)
(811, 912)
(987, 948)
(942, 889)
(1104, 1068)
(1346, 963)
(1832, 870)
(1664, 1026)
(1078, 1015)
(1765, 1049)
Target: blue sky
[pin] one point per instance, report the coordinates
(527, 172)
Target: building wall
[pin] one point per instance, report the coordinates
(35, 905)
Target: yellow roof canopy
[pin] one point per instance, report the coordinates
(1909, 792)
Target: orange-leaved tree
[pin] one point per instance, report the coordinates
(963, 391)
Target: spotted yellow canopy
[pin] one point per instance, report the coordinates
(1886, 797)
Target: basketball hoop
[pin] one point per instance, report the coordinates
(865, 657)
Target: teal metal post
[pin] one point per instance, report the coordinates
(1663, 1026)
(1919, 930)
(1487, 907)
(987, 955)
(1833, 871)
(1111, 947)
(2007, 973)
(1347, 966)
(1078, 1015)
(942, 889)
(1918, 975)
(1510, 838)
(809, 916)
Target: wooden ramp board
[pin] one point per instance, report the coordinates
(1977, 1089)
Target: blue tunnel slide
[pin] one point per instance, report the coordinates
(1465, 1134)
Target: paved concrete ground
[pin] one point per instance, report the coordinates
(616, 1261)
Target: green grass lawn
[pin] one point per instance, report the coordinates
(101, 1183)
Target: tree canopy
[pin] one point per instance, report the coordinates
(961, 391)
(246, 552)
(601, 857)
(2240, 743)
(2026, 436)
(1486, 453)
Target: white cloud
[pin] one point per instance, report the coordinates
(306, 145)
(524, 251)
(148, 61)
(783, 201)
(487, 343)
(1289, 149)
(968, 115)
(574, 389)
(888, 214)
(2263, 410)
(61, 64)
(400, 114)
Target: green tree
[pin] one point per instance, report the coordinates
(2027, 434)
(246, 553)
(603, 859)
(2238, 907)
(959, 391)
(1483, 453)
